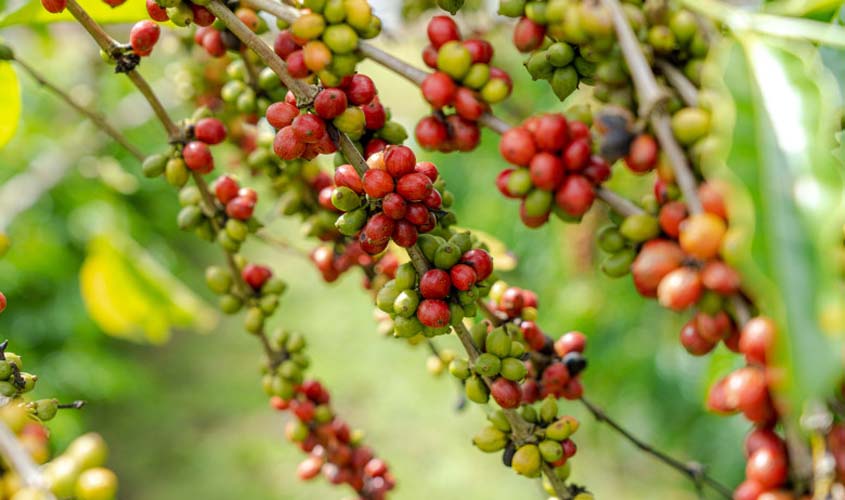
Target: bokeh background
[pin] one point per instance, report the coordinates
(186, 416)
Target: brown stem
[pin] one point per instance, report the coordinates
(618, 203)
(98, 119)
(678, 81)
(694, 470)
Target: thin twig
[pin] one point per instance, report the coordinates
(679, 81)
(693, 470)
(97, 118)
(76, 405)
(22, 463)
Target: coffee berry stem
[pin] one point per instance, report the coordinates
(21, 462)
(678, 81)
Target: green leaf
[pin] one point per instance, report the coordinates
(10, 102)
(787, 208)
(32, 13)
(129, 295)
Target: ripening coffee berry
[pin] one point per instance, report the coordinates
(240, 208)
(693, 341)
(197, 156)
(379, 228)
(679, 289)
(377, 183)
(517, 146)
(308, 128)
(347, 176)
(547, 171)
(575, 196)
(576, 155)
(3, 302)
(528, 35)
(439, 90)
(463, 276)
(431, 132)
(442, 29)
(506, 393)
(671, 216)
(527, 461)
(656, 259)
(435, 284)
(720, 277)
(551, 133)
(143, 37)
(480, 261)
(361, 90)
(748, 490)
(642, 155)
(255, 275)
(210, 131)
(434, 313)
(96, 484)
(56, 6)
(702, 234)
(768, 467)
(281, 114)
(399, 161)
(226, 189)
(414, 186)
(757, 340)
(570, 342)
(405, 234)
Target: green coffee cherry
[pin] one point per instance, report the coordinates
(154, 165)
(334, 12)
(611, 240)
(511, 8)
(560, 54)
(498, 343)
(499, 420)
(454, 59)
(488, 365)
(551, 451)
(490, 439)
(529, 413)
(477, 76)
(406, 303)
(236, 229)
(619, 264)
(406, 276)
(564, 82)
(407, 327)
(29, 381)
(181, 14)
(340, 38)
(495, 90)
(46, 409)
(548, 410)
(517, 347)
(640, 227)
(229, 304)
(176, 172)
(189, 217)
(463, 241)
(345, 199)
(513, 369)
(386, 297)
(690, 124)
(218, 279)
(479, 334)
(459, 368)
(519, 182)
(476, 390)
(447, 255)
(562, 428)
(526, 460)
(429, 244)
(539, 67)
(350, 223)
(254, 320)
(5, 370)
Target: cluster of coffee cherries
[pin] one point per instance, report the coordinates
(261, 295)
(333, 449)
(246, 97)
(463, 80)
(441, 296)
(499, 361)
(334, 259)
(180, 12)
(554, 445)
(556, 170)
(194, 155)
(554, 367)
(323, 41)
(396, 199)
(213, 36)
(746, 390)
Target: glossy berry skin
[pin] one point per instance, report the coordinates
(143, 37)
(442, 29)
(416, 214)
(435, 284)
(255, 275)
(431, 132)
(693, 342)
(576, 155)
(210, 131)
(399, 161)
(762, 438)
(374, 115)
(439, 90)
(56, 6)
(240, 208)
(701, 235)
(198, 157)
(547, 171)
(463, 276)
(434, 313)
(480, 261)
(468, 104)
(570, 342)
(528, 35)
(286, 146)
(720, 277)
(656, 259)
(202, 16)
(361, 90)
(377, 183)
(405, 234)
(575, 196)
(428, 169)
(767, 467)
(679, 289)
(330, 103)
(757, 340)
(748, 490)
(506, 393)
(379, 228)
(642, 156)
(414, 186)
(281, 114)
(671, 216)
(394, 206)
(308, 128)
(3, 302)
(346, 175)
(226, 189)
(517, 146)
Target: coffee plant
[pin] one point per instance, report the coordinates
(725, 119)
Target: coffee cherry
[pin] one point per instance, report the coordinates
(56, 6)
(640, 227)
(414, 186)
(767, 467)
(679, 289)
(286, 145)
(702, 234)
(465, 133)
(361, 90)
(435, 284)
(468, 104)
(454, 59)
(506, 393)
(693, 341)
(480, 261)
(576, 155)
(690, 124)
(330, 103)
(240, 208)
(434, 313)
(210, 131)
(431, 132)
(377, 183)
(3, 302)
(671, 216)
(642, 156)
(255, 275)
(379, 228)
(442, 29)
(746, 389)
(405, 234)
(712, 199)
(463, 277)
(656, 259)
(197, 156)
(570, 342)
(308, 128)
(490, 439)
(343, 198)
(143, 37)
(748, 490)
(761, 438)
(439, 90)
(720, 277)
(575, 196)
(201, 16)
(528, 35)
(96, 484)
(281, 114)
(399, 161)
(757, 340)
(547, 171)
(347, 176)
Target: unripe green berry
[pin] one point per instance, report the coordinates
(345, 199)
(46, 409)
(406, 303)
(350, 223)
(526, 460)
(476, 390)
(611, 240)
(487, 365)
(154, 165)
(529, 413)
(407, 327)
(499, 420)
(490, 439)
(406, 276)
(447, 255)
(454, 59)
(498, 343)
(386, 297)
(513, 369)
(495, 90)
(254, 320)
(640, 227)
(459, 368)
(229, 304)
(176, 172)
(690, 124)
(340, 38)
(619, 264)
(551, 451)
(548, 410)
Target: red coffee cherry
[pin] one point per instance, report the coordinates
(551, 133)
(309, 468)
(346, 175)
(414, 186)
(143, 37)
(679, 289)
(428, 169)
(642, 155)
(156, 12)
(202, 16)
(547, 171)
(240, 208)
(308, 128)
(480, 50)
(399, 161)
(210, 131)
(394, 206)
(517, 146)
(656, 259)
(746, 390)
(434, 313)
(576, 155)
(417, 214)
(3, 302)
(361, 89)
(434, 200)
(296, 64)
(578, 131)
(56, 6)
(712, 199)
(428, 225)
(429, 56)
(374, 145)
(720, 277)
(717, 398)
(377, 183)
(281, 114)
(442, 29)
(761, 438)
(226, 189)
(435, 284)
(757, 340)
(575, 196)
(748, 490)
(212, 42)
(506, 393)
(465, 133)
(767, 467)
(439, 90)
(512, 302)
(693, 341)
(330, 103)
(570, 342)
(405, 234)
(468, 104)
(374, 115)
(463, 276)
(528, 35)
(286, 146)
(284, 44)
(671, 216)
(480, 261)
(379, 228)
(431, 132)
(597, 170)
(255, 275)
(114, 3)
(197, 156)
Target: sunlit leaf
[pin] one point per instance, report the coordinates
(131, 296)
(787, 207)
(32, 13)
(10, 102)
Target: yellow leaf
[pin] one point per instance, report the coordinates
(32, 13)
(10, 102)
